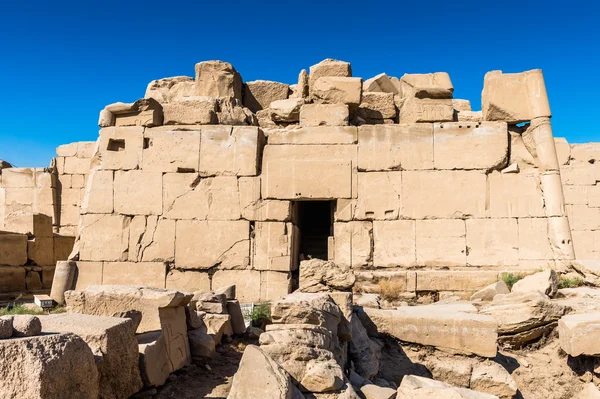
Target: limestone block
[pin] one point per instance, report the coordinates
(74, 165)
(393, 147)
(324, 115)
(376, 105)
(440, 194)
(274, 285)
(578, 175)
(273, 246)
(247, 283)
(465, 145)
(31, 373)
(138, 192)
(218, 79)
(195, 110)
(149, 274)
(441, 243)
(230, 151)
(258, 94)
(461, 105)
(380, 83)
(315, 135)
(296, 171)
(40, 250)
(533, 239)
(514, 97)
(515, 195)
(13, 249)
(168, 89)
(18, 177)
(492, 242)
(115, 300)
(415, 110)
(439, 326)
(174, 327)
(154, 365)
(379, 195)
(171, 150)
(334, 89)
(110, 338)
(578, 333)
(426, 85)
(582, 217)
(454, 280)
(121, 148)
(186, 196)
(104, 237)
(353, 243)
(328, 67)
(224, 243)
(12, 279)
(394, 243)
(188, 280)
(98, 196)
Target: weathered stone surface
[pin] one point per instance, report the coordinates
(151, 274)
(297, 334)
(456, 371)
(201, 343)
(230, 151)
(395, 147)
(247, 283)
(493, 379)
(394, 243)
(151, 239)
(274, 285)
(380, 83)
(578, 334)
(194, 110)
(545, 282)
(328, 67)
(26, 326)
(377, 106)
(459, 145)
(414, 387)
(590, 391)
(461, 105)
(469, 116)
(13, 249)
(417, 110)
(174, 327)
(334, 89)
(138, 192)
(143, 112)
(515, 195)
(322, 377)
(169, 89)
(218, 79)
(307, 308)
(324, 115)
(226, 243)
(492, 242)
(113, 339)
(352, 246)
(259, 94)
(437, 325)
(501, 89)
(379, 195)
(98, 195)
(218, 325)
(238, 325)
(231, 112)
(104, 237)
(153, 363)
(285, 111)
(108, 300)
(362, 351)
(488, 293)
(258, 376)
(168, 149)
(32, 373)
(274, 246)
(6, 327)
(315, 135)
(441, 243)
(321, 276)
(371, 391)
(426, 85)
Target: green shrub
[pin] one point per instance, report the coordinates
(260, 315)
(19, 309)
(511, 278)
(569, 282)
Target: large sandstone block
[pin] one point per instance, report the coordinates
(99, 193)
(394, 243)
(379, 195)
(13, 249)
(352, 243)
(441, 243)
(150, 274)
(169, 149)
(195, 110)
(121, 148)
(296, 171)
(104, 237)
(437, 325)
(247, 283)
(174, 327)
(376, 106)
(230, 151)
(434, 280)
(154, 364)
(74, 165)
(116, 300)
(259, 94)
(254, 208)
(440, 194)
(143, 112)
(168, 89)
(533, 239)
(274, 285)
(426, 85)
(394, 147)
(274, 246)
(18, 177)
(12, 279)
(218, 79)
(110, 338)
(314, 135)
(87, 274)
(582, 217)
(224, 243)
(417, 110)
(515, 195)
(329, 67)
(138, 192)
(514, 97)
(579, 175)
(27, 370)
(187, 196)
(415, 387)
(492, 242)
(151, 239)
(187, 280)
(464, 145)
(40, 251)
(334, 89)
(578, 334)
(324, 115)
(380, 83)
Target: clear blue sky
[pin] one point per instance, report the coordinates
(61, 61)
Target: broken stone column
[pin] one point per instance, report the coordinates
(64, 276)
